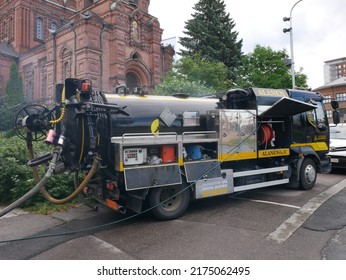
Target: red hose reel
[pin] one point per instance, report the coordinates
(265, 135)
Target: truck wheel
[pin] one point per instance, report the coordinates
(308, 174)
(169, 205)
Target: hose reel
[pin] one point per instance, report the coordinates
(33, 118)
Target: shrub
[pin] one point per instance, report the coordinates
(16, 178)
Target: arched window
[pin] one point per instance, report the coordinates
(135, 56)
(39, 28)
(30, 90)
(5, 30)
(53, 26)
(133, 2)
(66, 71)
(11, 33)
(66, 62)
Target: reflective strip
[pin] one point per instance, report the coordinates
(216, 192)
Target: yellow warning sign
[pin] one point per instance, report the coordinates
(155, 127)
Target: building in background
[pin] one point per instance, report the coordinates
(109, 42)
(334, 69)
(335, 86)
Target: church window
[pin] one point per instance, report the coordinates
(11, 31)
(133, 2)
(135, 56)
(53, 26)
(39, 28)
(67, 71)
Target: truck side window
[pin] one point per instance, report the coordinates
(321, 117)
(316, 117)
(311, 117)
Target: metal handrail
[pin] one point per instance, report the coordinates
(149, 135)
(194, 133)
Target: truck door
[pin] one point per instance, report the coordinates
(311, 128)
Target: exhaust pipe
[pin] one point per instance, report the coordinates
(115, 206)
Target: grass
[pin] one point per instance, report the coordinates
(46, 208)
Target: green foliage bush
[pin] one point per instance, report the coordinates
(196, 77)
(16, 178)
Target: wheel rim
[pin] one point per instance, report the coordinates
(170, 201)
(310, 174)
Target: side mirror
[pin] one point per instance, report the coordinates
(336, 117)
(322, 127)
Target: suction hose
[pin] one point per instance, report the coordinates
(47, 196)
(93, 170)
(34, 190)
(41, 182)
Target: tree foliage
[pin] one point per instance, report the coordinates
(195, 76)
(210, 34)
(14, 88)
(173, 84)
(266, 68)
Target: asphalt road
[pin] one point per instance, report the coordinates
(273, 223)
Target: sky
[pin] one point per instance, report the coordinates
(319, 28)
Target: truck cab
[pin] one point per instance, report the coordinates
(310, 130)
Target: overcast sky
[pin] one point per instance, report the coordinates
(319, 28)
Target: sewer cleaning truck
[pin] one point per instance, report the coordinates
(155, 153)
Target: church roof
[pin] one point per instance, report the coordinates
(8, 50)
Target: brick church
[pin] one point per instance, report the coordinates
(107, 41)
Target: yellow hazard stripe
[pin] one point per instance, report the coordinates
(317, 146)
(238, 156)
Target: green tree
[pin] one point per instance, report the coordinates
(175, 84)
(14, 88)
(266, 68)
(212, 73)
(210, 34)
(195, 77)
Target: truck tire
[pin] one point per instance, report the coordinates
(308, 174)
(166, 204)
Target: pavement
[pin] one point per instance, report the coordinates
(329, 217)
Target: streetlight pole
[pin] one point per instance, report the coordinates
(290, 19)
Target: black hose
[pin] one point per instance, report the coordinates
(25, 197)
